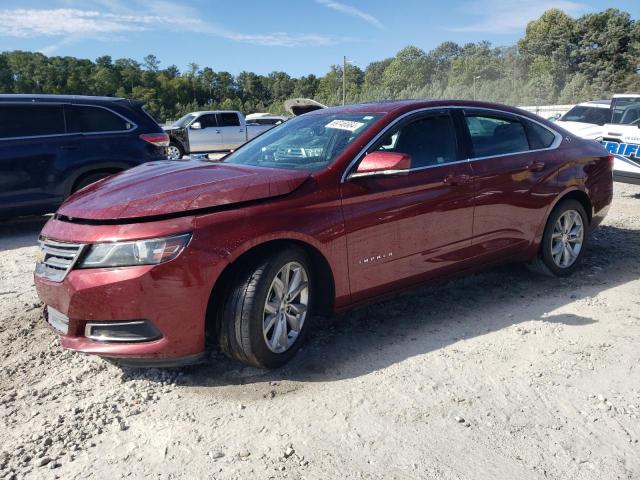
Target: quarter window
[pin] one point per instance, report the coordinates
(229, 120)
(429, 141)
(539, 137)
(491, 136)
(86, 119)
(30, 120)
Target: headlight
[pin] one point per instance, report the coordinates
(139, 252)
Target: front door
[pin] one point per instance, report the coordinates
(208, 137)
(31, 141)
(406, 227)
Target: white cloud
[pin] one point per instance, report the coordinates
(512, 16)
(74, 24)
(353, 11)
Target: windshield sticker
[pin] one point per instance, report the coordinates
(344, 125)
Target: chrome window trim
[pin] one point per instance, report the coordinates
(68, 134)
(556, 143)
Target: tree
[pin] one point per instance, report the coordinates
(605, 48)
(411, 67)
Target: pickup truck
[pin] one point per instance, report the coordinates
(210, 131)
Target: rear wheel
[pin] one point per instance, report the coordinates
(564, 240)
(267, 311)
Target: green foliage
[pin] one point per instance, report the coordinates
(559, 60)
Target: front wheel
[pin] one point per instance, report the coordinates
(267, 311)
(564, 240)
(174, 151)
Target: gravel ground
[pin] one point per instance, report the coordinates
(503, 374)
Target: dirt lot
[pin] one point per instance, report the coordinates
(499, 375)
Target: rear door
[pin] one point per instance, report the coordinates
(31, 140)
(99, 139)
(404, 227)
(234, 132)
(514, 166)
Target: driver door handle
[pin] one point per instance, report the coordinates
(535, 166)
(456, 180)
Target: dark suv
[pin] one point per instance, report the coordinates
(54, 145)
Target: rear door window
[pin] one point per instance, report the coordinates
(493, 135)
(88, 119)
(229, 119)
(31, 120)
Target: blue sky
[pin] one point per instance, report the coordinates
(297, 36)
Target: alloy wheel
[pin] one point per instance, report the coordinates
(567, 239)
(173, 153)
(286, 307)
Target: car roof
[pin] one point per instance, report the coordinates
(596, 103)
(401, 106)
(19, 97)
(626, 95)
(200, 112)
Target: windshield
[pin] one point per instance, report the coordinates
(184, 121)
(584, 114)
(626, 111)
(308, 142)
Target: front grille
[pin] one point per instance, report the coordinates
(57, 258)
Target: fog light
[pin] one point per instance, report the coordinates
(133, 331)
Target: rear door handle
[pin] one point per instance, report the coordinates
(455, 180)
(69, 147)
(535, 166)
(217, 131)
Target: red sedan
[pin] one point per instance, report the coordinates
(324, 212)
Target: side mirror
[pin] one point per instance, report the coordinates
(383, 163)
(196, 126)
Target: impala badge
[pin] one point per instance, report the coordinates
(375, 258)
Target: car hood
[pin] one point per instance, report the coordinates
(174, 188)
(589, 131)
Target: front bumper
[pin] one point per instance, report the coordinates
(173, 297)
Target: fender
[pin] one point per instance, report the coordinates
(341, 292)
(540, 230)
(277, 236)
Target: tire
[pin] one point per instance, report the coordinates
(245, 313)
(175, 151)
(89, 179)
(547, 262)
